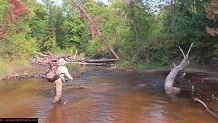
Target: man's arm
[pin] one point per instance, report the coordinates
(66, 72)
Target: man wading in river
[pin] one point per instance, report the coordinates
(57, 85)
(62, 70)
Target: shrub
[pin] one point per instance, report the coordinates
(74, 69)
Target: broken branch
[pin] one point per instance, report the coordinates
(207, 109)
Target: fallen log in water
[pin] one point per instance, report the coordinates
(100, 60)
(95, 64)
(207, 109)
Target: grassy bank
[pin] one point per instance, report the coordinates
(157, 66)
(4, 68)
(9, 66)
(141, 65)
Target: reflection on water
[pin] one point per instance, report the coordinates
(106, 98)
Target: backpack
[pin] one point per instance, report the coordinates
(52, 75)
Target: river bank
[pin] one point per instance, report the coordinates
(22, 72)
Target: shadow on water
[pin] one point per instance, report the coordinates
(124, 97)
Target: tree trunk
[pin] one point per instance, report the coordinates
(172, 16)
(135, 26)
(98, 31)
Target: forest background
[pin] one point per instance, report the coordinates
(145, 34)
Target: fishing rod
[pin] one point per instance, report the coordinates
(51, 66)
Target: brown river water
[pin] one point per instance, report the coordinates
(108, 97)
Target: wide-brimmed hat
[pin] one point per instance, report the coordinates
(61, 61)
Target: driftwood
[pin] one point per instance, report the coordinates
(214, 98)
(70, 59)
(174, 71)
(100, 60)
(207, 109)
(43, 60)
(95, 64)
(75, 54)
(51, 54)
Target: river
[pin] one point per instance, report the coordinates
(107, 97)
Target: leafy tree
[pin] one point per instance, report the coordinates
(139, 20)
(15, 30)
(49, 39)
(73, 29)
(190, 26)
(59, 30)
(38, 24)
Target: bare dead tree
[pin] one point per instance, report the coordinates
(174, 71)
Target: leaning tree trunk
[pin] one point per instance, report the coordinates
(172, 75)
(96, 28)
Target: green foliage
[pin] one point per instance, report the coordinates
(146, 25)
(22, 61)
(143, 39)
(190, 28)
(18, 46)
(43, 25)
(73, 35)
(159, 56)
(92, 48)
(74, 68)
(4, 6)
(141, 65)
(126, 64)
(18, 42)
(215, 53)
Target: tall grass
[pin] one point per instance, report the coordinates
(20, 62)
(4, 68)
(7, 66)
(74, 68)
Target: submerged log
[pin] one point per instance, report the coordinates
(207, 109)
